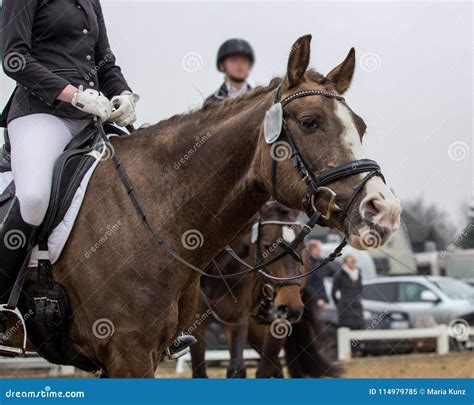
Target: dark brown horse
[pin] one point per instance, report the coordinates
(232, 303)
(200, 177)
(304, 347)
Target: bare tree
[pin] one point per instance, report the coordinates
(426, 222)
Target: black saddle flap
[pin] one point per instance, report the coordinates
(69, 171)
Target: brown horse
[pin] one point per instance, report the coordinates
(304, 347)
(200, 176)
(233, 302)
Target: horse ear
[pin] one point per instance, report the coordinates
(298, 60)
(341, 75)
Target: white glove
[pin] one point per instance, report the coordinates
(92, 102)
(125, 109)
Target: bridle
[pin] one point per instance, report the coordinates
(316, 184)
(270, 285)
(269, 282)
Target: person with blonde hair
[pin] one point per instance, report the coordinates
(347, 294)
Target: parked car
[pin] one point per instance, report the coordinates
(373, 319)
(427, 300)
(470, 281)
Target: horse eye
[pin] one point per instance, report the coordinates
(309, 123)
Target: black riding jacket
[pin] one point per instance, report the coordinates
(221, 94)
(48, 44)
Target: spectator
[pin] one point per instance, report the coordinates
(315, 289)
(346, 293)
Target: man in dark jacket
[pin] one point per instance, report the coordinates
(347, 293)
(315, 290)
(235, 59)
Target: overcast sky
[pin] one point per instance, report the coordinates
(413, 82)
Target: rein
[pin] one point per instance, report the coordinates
(269, 287)
(273, 284)
(315, 185)
(288, 248)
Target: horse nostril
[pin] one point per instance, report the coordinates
(381, 212)
(282, 311)
(370, 208)
(375, 210)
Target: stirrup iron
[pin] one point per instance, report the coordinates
(7, 350)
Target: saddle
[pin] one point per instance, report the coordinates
(43, 306)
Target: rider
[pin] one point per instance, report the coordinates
(235, 58)
(59, 55)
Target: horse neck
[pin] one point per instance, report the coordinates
(217, 190)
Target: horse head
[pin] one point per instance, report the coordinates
(312, 129)
(282, 299)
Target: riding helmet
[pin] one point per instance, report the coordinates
(235, 46)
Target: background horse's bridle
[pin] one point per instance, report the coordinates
(316, 184)
(269, 286)
(259, 255)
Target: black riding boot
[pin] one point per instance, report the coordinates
(5, 164)
(180, 346)
(16, 240)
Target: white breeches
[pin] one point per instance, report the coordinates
(36, 142)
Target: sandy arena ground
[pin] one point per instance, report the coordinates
(430, 365)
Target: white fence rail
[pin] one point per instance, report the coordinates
(346, 336)
(34, 363)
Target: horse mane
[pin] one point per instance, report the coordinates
(224, 108)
